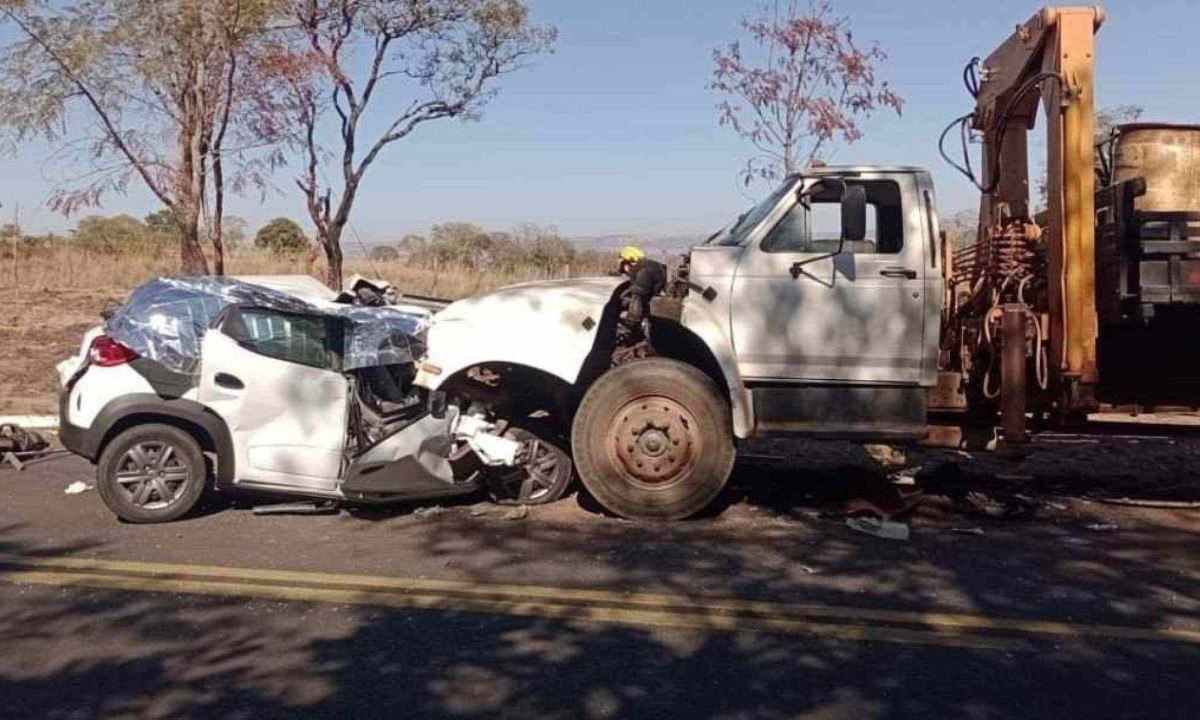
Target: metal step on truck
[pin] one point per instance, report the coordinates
(836, 308)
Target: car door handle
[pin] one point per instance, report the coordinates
(896, 272)
(228, 381)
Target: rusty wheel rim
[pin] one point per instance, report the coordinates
(655, 441)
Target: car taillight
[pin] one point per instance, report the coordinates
(106, 352)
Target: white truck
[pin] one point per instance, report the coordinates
(817, 312)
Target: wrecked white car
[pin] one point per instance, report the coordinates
(278, 385)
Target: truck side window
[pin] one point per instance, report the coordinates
(291, 337)
(817, 228)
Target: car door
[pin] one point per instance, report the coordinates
(801, 311)
(273, 377)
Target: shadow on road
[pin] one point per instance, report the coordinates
(71, 653)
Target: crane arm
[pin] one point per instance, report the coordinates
(1049, 58)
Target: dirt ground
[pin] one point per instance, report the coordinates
(41, 329)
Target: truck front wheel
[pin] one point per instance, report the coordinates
(653, 441)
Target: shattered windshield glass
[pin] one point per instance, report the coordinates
(165, 320)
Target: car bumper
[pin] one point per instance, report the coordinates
(78, 440)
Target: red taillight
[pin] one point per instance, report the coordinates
(106, 352)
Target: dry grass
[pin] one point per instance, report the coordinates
(61, 290)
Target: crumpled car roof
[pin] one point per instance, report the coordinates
(165, 320)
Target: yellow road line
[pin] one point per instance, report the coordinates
(626, 608)
(628, 617)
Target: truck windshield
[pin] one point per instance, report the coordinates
(749, 220)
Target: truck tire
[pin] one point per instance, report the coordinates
(653, 440)
(151, 473)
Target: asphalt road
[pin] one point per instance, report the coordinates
(764, 609)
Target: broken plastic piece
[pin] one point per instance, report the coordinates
(880, 528)
(77, 488)
(492, 449)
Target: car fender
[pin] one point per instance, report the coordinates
(701, 317)
(133, 409)
(550, 326)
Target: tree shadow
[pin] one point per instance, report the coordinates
(81, 652)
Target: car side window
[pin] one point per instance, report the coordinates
(815, 224)
(291, 337)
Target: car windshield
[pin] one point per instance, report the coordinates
(737, 232)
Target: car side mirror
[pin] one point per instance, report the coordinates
(854, 213)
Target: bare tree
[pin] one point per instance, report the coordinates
(379, 69)
(802, 84)
(160, 84)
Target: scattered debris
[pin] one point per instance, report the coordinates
(1103, 527)
(19, 445)
(77, 487)
(968, 530)
(885, 455)
(479, 510)
(808, 570)
(519, 512)
(886, 529)
(314, 507)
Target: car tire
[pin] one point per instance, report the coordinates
(653, 440)
(151, 473)
(520, 486)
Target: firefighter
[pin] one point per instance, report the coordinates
(647, 279)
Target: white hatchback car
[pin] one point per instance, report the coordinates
(199, 383)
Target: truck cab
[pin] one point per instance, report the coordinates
(828, 334)
(817, 312)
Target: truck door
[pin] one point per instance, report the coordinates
(802, 313)
(273, 377)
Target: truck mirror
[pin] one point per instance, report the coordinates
(854, 213)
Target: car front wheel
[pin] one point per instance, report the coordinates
(151, 473)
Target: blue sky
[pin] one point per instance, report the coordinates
(616, 132)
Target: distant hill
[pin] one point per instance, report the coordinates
(665, 245)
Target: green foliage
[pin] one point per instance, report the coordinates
(111, 235)
(281, 235)
(163, 223)
(529, 247)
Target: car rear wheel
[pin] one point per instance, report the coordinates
(653, 441)
(151, 473)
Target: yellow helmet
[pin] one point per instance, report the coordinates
(631, 254)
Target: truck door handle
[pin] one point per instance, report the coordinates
(228, 381)
(896, 272)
